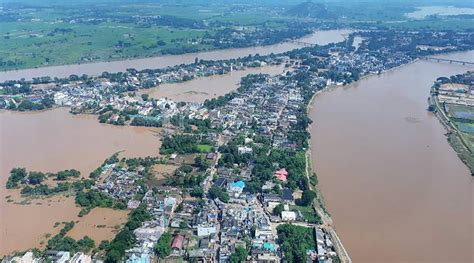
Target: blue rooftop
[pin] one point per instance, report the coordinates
(239, 184)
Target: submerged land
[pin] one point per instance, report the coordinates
(212, 159)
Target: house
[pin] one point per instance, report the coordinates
(220, 182)
(177, 243)
(80, 257)
(236, 188)
(281, 175)
(244, 149)
(287, 196)
(211, 156)
(288, 216)
(143, 258)
(206, 230)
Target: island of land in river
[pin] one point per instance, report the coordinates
(229, 167)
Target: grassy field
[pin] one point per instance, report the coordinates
(37, 33)
(41, 35)
(308, 213)
(205, 148)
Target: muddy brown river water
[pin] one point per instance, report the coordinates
(322, 37)
(396, 190)
(55, 140)
(50, 141)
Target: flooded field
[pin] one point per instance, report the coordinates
(396, 190)
(50, 141)
(198, 90)
(100, 224)
(318, 37)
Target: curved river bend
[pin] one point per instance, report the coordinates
(322, 37)
(395, 188)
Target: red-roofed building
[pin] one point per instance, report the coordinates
(281, 175)
(177, 242)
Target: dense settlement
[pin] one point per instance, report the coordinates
(242, 188)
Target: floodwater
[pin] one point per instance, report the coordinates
(425, 11)
(56, 140)
(200, 89)
(50, 141)
(318, 37)
(396, 190)
(100, 224)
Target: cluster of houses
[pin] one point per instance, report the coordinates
(50, 256)
(460, 91)
(120, 184)
(206, 230)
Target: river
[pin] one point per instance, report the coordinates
(50, 141)
(318, 37)
(200, 89)
(396, 190)
(55, 140)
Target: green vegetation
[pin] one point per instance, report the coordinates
(295, 241)
(306, 198)
(216, 192)
(163, 247)
(239, 255)
(125, 238)
(278, 209)
(146, 121)
(180, 143)
(61, 242)
(94, 198)
(309, 214)
(204, 148)
(17, 175)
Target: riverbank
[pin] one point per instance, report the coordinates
(453, 134)
(321, 37)
(380, 172)
(319, 204)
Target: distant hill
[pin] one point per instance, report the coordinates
(310, 9)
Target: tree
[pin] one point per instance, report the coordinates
(201, 163)
(216, 192)
(306, 198)
(163, 247)
(278, 209)
(197, 192)
(239, 255)
(35, 178)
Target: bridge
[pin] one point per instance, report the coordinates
(302, 43)
(448, 60)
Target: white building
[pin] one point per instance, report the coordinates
(288, 216)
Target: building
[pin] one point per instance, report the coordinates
(206, 230)
(236, 188)
(288, 216)
(177, 243)
(287, 196)
(281, 175)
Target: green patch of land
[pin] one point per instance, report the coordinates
(204, 148)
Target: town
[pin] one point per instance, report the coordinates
(242, 189)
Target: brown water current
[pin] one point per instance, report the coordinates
(50, 141)
(200, 89)
(396, 190)
(323, 37)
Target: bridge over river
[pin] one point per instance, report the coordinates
(448, 60)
